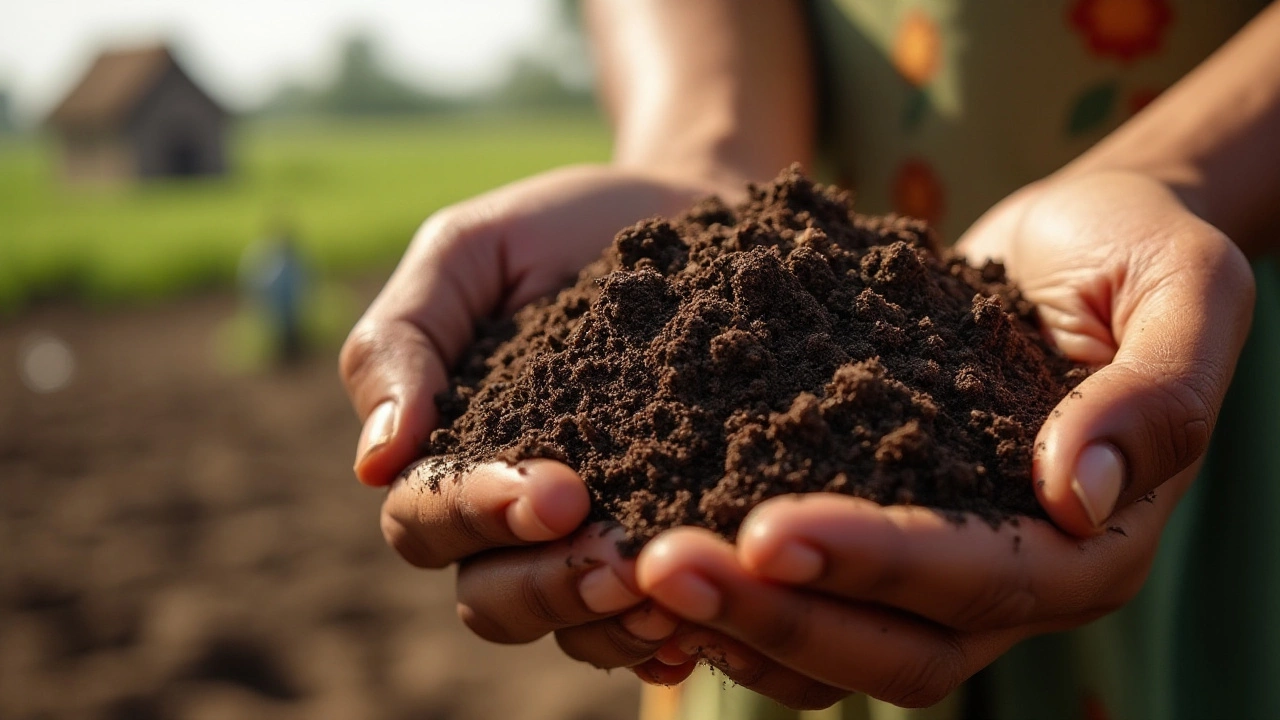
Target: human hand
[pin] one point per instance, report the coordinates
(521, 573)
(491, 254)
(904, 605)
(1127, 278)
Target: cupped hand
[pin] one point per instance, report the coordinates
(824, 594)
(488, 255)
(491, 254)
(1128, 279)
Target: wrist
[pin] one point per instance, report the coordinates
(713, 152)
(1182, 178)
(699, 177)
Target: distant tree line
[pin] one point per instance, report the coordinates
(363, 86)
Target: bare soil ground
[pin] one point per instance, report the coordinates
(179, 543)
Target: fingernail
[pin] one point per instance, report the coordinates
(672, 654)
(689, 596)
(526, 524)
(604, 592)
(794, 562)
(649, 623)
(1099, 477)
(377, 431)
(690, 645)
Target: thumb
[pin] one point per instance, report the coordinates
(397, 357)
(1148, 415)
(392, 371)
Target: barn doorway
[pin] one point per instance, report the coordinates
(182, 157)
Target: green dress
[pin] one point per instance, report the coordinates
(938, 109)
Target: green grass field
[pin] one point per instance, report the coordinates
(354, 191)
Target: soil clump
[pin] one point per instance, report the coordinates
(786, 345)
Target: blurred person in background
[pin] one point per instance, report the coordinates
(1132, 220)
(274, 277)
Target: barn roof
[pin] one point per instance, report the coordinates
(114, 87)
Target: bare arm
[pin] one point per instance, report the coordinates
(720, 90)
(1215, 138)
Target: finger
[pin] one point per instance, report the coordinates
(465, 262)
(623, 641)
(397, 357)
(865, 648)
(752, 670)
(432, 522)
(519, 595)
(967, 577)
(656, 672)
(393, 371)
(1148, 414)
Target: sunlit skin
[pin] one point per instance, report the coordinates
(1136, 253)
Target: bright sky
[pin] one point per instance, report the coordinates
(243, 49)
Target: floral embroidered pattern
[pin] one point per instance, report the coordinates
(1122, 29)
(917, 48)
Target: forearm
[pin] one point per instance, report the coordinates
(1215, 137)
(715, 90)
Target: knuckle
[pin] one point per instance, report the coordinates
(462, 519)
(572, 643)
(537, 601)
(488, 627)
(1185, 396)
(926, 680)
(1229, 267)
(359, 352)
(448, 230)
(785, 634)
(1192, 412)
(407, 544)
(1004, 602)
(440, 228)
(518, 610)
(627, 648)
(605, 645)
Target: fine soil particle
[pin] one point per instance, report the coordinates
(707, 363)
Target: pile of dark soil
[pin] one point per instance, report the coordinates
(786, 345)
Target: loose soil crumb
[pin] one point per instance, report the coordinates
(787, 345)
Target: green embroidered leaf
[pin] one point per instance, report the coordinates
(1092, 108)
(914, 111)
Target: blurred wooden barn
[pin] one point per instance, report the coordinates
(137, 114)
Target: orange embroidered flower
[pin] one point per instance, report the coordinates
(917, 48)
(1123, 29)
(917, 192)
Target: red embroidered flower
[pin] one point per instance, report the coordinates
(917, 192)
(1123, 29)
